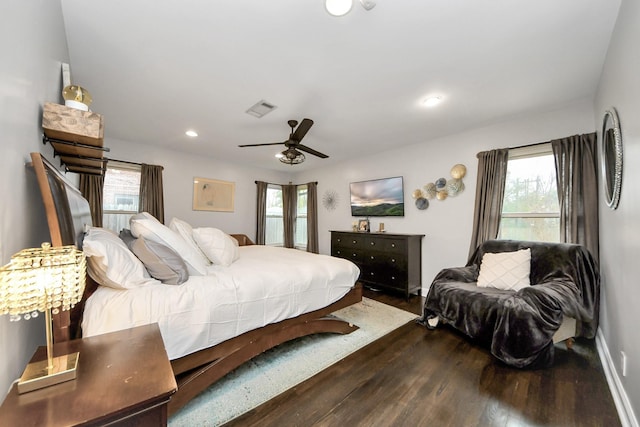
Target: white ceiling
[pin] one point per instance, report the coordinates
(156, 68)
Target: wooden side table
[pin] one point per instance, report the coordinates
(124, 378)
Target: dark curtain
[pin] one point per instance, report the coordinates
(91, 188)
(151, 191)
(289, 208)
(261, 208)
(492, 174)
(576, 174)
(312, 217)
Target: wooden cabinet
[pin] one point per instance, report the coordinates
(124, 379)
(386, 261)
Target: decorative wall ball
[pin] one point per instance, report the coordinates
(330, 200)
(422, 203)
(417, 194)
(458, 171)
(441, 183)
(455, 187)
(430, 190)
(441, 195)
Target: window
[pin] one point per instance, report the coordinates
(531, 210)
(121, 195)
(301, 218)
(274, 228)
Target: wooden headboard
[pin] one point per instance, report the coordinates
(68, 214)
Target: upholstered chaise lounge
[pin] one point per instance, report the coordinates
(519, 325)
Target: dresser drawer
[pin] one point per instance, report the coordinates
(386, 260)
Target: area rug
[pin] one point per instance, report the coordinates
(287, 365)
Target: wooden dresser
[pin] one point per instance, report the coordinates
(386, 261)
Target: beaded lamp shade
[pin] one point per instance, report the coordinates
(46, 279)
(40, 279)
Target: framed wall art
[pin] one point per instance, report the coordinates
(213, 195)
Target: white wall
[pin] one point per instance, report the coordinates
(620, 229)
(446, 224)
(33, 46)
(179, 171)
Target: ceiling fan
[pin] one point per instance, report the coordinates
(292, 154)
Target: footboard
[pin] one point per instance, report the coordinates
(197, 371)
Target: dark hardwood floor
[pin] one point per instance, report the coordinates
(416, 377)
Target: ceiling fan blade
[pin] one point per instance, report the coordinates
(259, 145)
(311, 151)
(302, 130)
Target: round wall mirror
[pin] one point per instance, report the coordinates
(611, 158)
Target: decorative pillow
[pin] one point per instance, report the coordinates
(185, 230)
(505, 270)
(111, 263)
(161, 261)
(144, 225)
(216, 245)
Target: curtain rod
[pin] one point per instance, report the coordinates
(312, 182)
(530, 145)
(128, 162)
(515, 148)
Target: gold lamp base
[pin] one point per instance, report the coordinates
(38, 375)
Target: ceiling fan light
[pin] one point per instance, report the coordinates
(291, 156)
(338, 7)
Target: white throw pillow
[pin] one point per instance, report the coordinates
(216, 245)
(185, 231)
(111, 263)
(144, 225)
(505, 270)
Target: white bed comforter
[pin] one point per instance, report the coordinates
(265, 285)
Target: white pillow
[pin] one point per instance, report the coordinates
(144, 225)
(216, 245)
(111, 263)
(185, 230)
(505, 270)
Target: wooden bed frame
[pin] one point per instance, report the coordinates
(68, 214)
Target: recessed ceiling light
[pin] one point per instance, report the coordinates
(432, 101)
(191, 133)
(338, 7)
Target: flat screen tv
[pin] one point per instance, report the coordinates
(378, 197)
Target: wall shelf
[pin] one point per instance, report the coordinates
(76, 137)
(78, 157)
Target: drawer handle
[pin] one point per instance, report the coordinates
(393, 245)
(372, 273)
(373, 243)
(372, 257)
(353, 255)
(393, 277)
(339, 240)
(354, 242)
(393, 260)
(338, 252)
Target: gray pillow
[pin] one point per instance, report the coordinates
(162, 262)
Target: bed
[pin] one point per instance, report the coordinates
(264, 298)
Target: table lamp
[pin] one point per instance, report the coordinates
(46, 279)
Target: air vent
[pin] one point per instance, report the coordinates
(261, 108)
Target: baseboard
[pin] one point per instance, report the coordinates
(620, 398)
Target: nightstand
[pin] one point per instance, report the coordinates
(124, 378)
